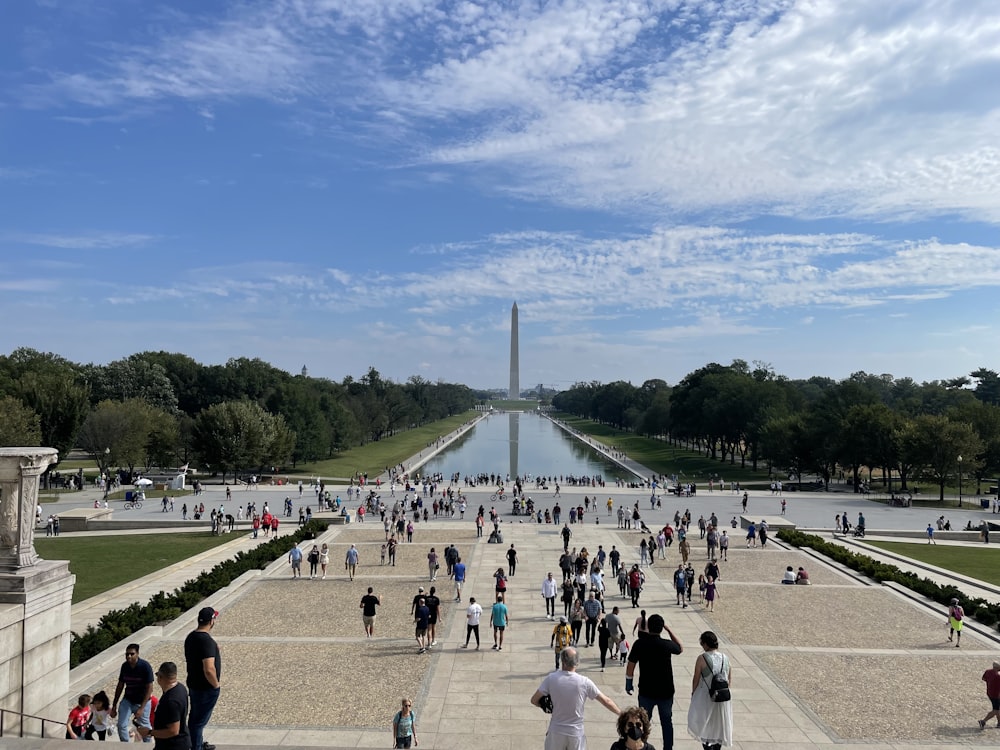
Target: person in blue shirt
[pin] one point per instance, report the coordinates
(459, 571)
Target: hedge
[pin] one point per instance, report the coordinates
(119, 624)
(987, 613)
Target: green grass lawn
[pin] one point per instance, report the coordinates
(982, 563)
(99, 561)
(663, 458)
(374, 457)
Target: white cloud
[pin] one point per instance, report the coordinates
(83, 241)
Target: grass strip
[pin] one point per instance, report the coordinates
(101, 563)
(658, 455)
(981, 563)
(375, 457)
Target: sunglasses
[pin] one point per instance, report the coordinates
(633, 724)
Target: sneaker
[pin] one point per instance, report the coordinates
(434, 643)
(499, 648)
(982, 724)
(494, 647)
(465, 645)
(207, 746)
(422, 651)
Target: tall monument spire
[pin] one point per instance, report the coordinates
(515, 387)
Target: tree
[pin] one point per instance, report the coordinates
(60, 403)
(19, 425)
(240, 435)
(129, 434)
(934, 444)
(133, 378)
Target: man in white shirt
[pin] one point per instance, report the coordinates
(549, 590)
(472, 614)
(569, 692)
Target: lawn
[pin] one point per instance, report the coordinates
(96, 560)
(981, 563)
(374, 457)
(663, 458)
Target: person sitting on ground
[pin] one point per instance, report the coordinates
(789, 576)
(802, 577)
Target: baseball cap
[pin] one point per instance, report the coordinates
(420, 589)
(562, 620)
(206, 615)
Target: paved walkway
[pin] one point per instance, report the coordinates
(481, 698)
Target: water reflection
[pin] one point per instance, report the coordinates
(535, 446)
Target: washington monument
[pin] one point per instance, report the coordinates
(515, 387)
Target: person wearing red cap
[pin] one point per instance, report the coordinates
(204, 673)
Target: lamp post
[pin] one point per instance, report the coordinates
(959, 481)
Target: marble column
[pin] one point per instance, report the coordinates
(20, 471)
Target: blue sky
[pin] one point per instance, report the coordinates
(353, 183)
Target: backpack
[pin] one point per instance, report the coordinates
(718, 688)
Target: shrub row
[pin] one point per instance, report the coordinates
(119, 624)
(988, 613)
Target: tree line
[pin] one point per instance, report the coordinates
(166, 409)
(900, 429)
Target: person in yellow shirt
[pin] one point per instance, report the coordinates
(562, 637)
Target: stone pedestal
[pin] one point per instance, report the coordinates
(35, 600)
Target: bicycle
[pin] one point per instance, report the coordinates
(130, 504)
(498, 496)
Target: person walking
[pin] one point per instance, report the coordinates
(930, 534)
(170, 726)
(592, 608)
(710, 720)
(351, 561)
(511, 560)
(498, 621)
(458, 570)
(313, 559)
(550, 587)
(432, 564)
(652, 654)
(204, 675)
(956, 615)
(324, 559)
(404, 726)
(569, 692)
(635, 584)
(421, 621)
(368, 605)
(992, 679)
(472, 614)
(295, 560)
(562, 637)
(135, 679)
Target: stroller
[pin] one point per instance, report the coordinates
(859, 531)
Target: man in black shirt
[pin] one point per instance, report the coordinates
(204, 672)
(170, 729)
(433, 602)
(136, 680)
(656, 675)
(511, 560)
(368, 604)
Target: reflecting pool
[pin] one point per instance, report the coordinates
(522, 443)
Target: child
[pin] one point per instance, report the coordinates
(100, 707)
(383, 554)
(76, 724)
(623, 651)
(702, 584)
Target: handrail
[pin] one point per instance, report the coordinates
(42, 719)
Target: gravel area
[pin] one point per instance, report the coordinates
(411, 559)
(324, 609)
(819, 617)
(897, 697)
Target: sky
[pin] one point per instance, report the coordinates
(345, 184)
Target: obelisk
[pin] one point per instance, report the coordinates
(514, 392)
